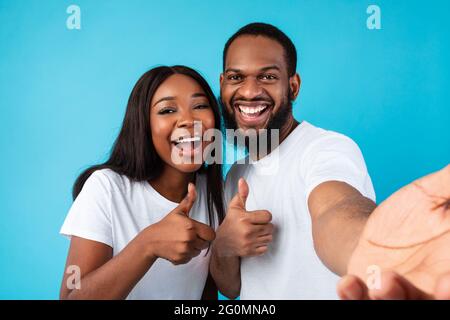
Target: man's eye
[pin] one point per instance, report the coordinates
(166, 111)
(234, 77)
(268, 77)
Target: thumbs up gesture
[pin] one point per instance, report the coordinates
(243, 233)
(177, 237)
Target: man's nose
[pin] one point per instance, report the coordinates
(250, 89)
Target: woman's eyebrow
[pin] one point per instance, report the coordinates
(169, 98)
(198, 94)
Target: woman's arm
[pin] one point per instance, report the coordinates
(176, 238)
(102, 276)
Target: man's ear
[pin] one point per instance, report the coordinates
(294, 83)
(221, 79)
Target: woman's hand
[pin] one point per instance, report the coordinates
(404, 251)
(177, 237)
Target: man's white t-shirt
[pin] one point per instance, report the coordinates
(281, 183)
(112, 209)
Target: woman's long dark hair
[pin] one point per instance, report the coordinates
(133, 153)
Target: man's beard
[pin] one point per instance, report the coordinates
(277, 121)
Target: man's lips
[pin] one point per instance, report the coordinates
(252, 113)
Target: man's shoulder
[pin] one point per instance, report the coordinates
(310, 133)
(316, 137)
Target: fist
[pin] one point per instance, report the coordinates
(177, 237)
(243, 233)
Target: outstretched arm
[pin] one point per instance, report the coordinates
(403, 252)
(338, 213)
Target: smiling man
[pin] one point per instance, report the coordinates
(291, 233)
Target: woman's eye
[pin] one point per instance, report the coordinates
(166, 111)
(202, 106)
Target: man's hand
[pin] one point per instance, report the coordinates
(243, 233)
(404, 250)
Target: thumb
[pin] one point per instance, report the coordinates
(240, 197)
(188, 201)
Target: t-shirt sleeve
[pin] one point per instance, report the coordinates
(336, 158)
(90, 216)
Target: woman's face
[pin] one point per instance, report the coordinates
(178, 107)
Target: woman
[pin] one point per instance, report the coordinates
(139, 227)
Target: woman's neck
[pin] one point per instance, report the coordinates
(172, 184)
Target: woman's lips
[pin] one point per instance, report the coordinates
(188, 146)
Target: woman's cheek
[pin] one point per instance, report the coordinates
(160, 133)
(208, 121)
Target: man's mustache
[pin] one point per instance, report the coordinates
(265, 99)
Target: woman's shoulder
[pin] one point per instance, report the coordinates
(109, 180)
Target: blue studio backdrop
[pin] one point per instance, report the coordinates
(64, 88)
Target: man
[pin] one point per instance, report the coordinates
(289, 233)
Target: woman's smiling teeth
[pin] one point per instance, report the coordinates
(187, 139)
(188, 145)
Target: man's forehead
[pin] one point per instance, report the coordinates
(254, 53)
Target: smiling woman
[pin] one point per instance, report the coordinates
(138, 225)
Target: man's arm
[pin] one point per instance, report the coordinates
(226, 272)
(339, 213)
(407, 239)
(242, 234)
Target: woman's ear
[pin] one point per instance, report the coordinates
(294, 84)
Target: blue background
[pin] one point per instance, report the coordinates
(63, 94)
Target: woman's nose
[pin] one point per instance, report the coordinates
(186, 120)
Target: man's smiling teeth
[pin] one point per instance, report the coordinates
(252, 110)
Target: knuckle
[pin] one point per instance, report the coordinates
(189, 224)
(183, 247)
(246, 234)
(268, 215)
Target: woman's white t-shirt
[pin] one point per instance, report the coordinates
(113, 209)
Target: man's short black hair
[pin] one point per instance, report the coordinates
(272, 32)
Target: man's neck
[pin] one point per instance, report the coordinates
(284, 132)
(287, 129)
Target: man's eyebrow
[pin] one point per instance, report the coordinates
(271, 67)
(262, 69)
(232, 70)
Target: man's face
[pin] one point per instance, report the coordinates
(255, 88)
